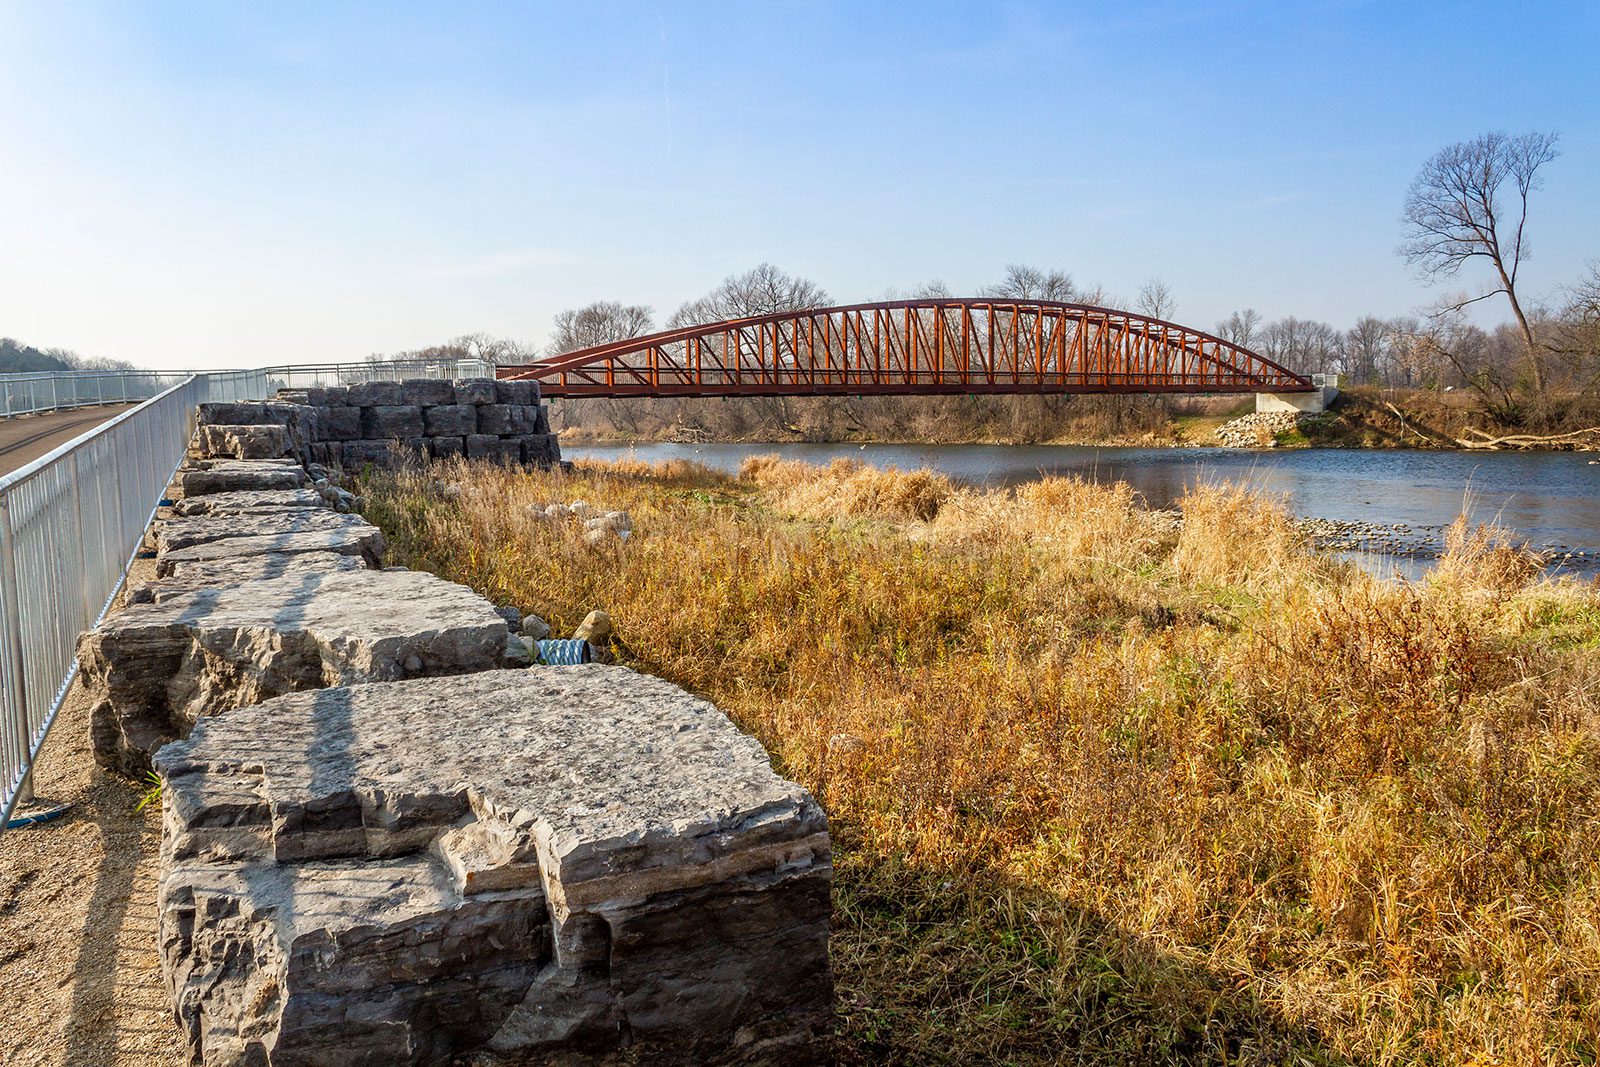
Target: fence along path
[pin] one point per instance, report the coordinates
(71, 521)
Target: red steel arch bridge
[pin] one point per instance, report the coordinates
(945, 345)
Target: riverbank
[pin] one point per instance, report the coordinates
(1359, 418)
(1103, 784)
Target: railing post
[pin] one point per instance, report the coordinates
(11, 610)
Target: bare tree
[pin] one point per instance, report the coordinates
(1454, 214)
(763, 290)
(1241, 327)
(1367, 346)
(1022, 282)
(1156, 300)
(599, 323)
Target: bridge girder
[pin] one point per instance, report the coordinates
(973, 345)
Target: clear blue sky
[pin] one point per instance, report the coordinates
(204, 183)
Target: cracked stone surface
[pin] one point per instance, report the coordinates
(224, 572)
(359, 540)
(557, 865)
(231, 475)
(188, 531)
(245, 442)
(243, 502)
(154, 669)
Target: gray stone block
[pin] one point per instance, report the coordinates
(361, 540)
(541, 450)
(376, 394)
(517, 392)
(505, 419)
(445, 447)
(152, 670)
(244, 442)
(185, 531)
(356, 454)
(389, 423)
(337, 396)
(246, 502)
(610, 872)
(339, 424)
(427, 392)
(241, 414)
(325, 453)
(541, 422)
(482, 446)
(474, 390)
(221, 573)
(450, 420)
(222, 476)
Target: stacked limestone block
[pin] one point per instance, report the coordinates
(478, 418)
(557, 865)
(263, 588)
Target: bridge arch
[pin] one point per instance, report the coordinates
(932, 346)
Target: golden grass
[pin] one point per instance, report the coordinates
(1108, 788)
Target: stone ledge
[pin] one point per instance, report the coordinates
(154, 669)
(322, 847)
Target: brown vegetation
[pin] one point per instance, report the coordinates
(1107, 786)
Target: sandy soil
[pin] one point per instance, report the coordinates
(80, 981)
(24, 438)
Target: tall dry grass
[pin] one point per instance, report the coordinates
(1108, 787)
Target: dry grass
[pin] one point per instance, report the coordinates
(1105, 790)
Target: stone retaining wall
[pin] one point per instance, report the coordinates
(479, 418)
(381, 838)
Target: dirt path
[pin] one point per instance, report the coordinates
(80, 981)
(24, 438)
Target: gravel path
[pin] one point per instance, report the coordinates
(80, 981)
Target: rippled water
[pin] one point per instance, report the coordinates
(1550, 498)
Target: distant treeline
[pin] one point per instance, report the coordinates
(18, 358)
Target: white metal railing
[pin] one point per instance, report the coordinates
(31, 393)
(26, 394)
(71, 521)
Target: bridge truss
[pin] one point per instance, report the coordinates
(965, 345)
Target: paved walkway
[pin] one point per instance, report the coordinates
(24, 438)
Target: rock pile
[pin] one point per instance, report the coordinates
(478, 418)
(376, 840)
(1259, 429)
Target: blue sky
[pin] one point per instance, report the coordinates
(189, 184)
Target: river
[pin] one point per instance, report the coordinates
(1386, 507)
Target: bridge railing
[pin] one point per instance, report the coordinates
(71, 521)
(35, 392)
(26, 394)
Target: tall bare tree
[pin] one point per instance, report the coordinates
(1022, 282)
(1455, 213)
(1156, 300)
(599, 323)
(763, 290)
(1241, 327)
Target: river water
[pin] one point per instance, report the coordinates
(1383, 506)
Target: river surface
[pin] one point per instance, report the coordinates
(1384, 506)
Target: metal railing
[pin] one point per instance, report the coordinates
(71, 521)
(27, 394)
(32, 393)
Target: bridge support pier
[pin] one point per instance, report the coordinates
(1307, 403)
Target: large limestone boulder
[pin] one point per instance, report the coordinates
(211, 574)
(244, 502)
(187, 531)
(153, 669)
(358, 539)
(547, 866)
(232, 475)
